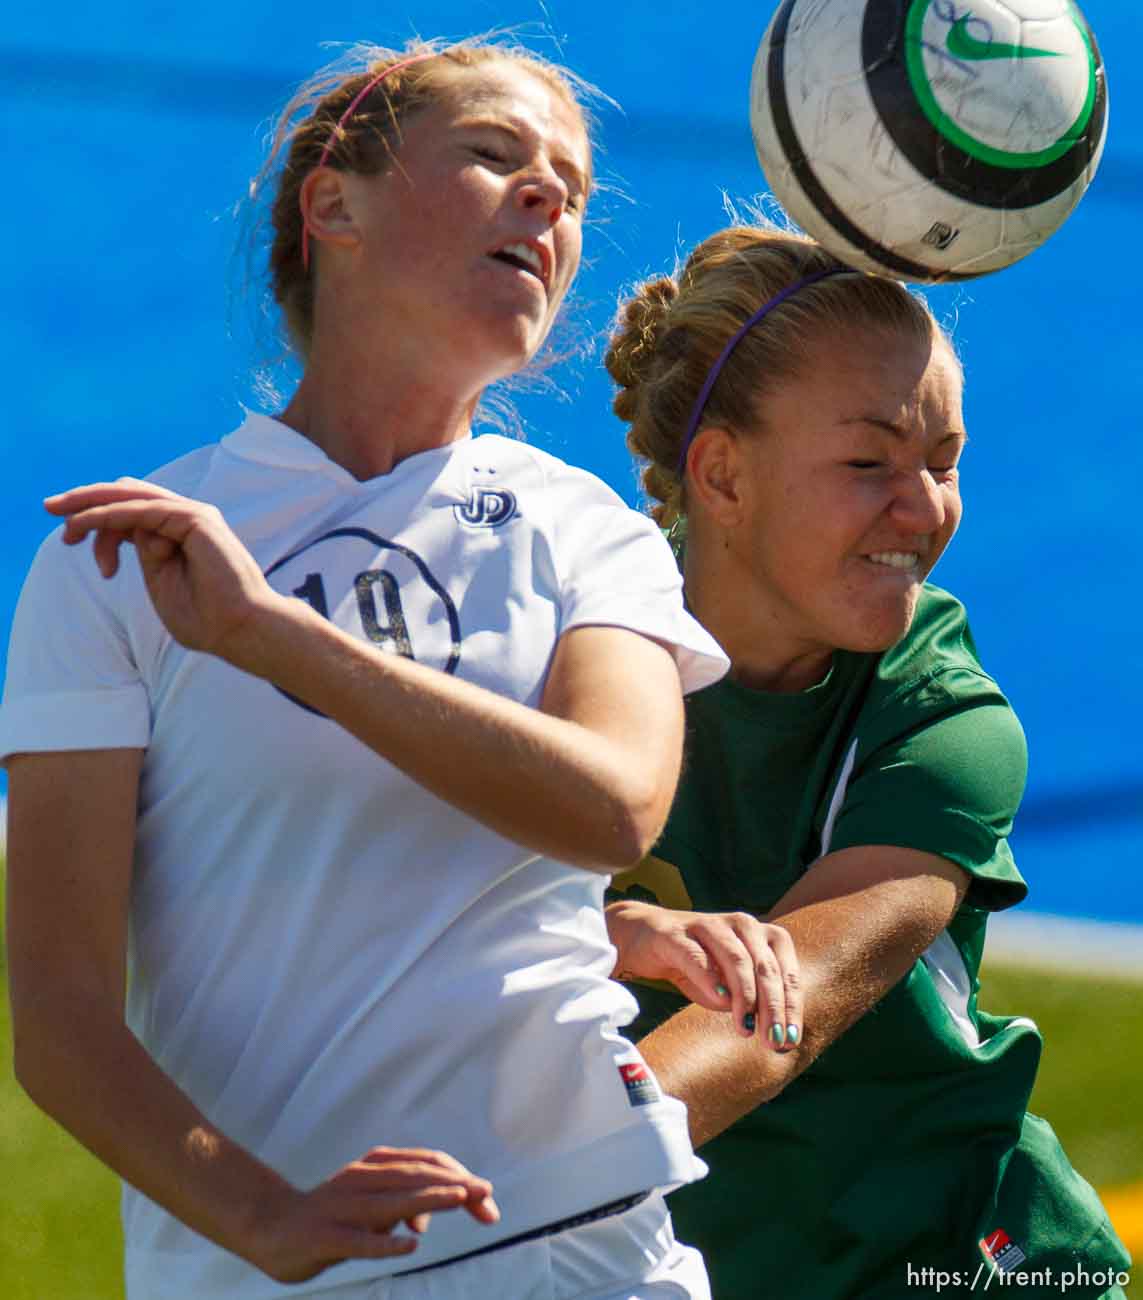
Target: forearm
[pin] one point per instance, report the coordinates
(587, 778)
(86, 1069)
(858, 928)
(548, 783)
(699, 1057)
(71, 842)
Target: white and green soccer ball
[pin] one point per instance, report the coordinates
(929, 139)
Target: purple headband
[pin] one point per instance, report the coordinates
(736, 338)
(341, 121)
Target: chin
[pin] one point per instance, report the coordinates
(881, 628)
(517, 351)
(500, 343)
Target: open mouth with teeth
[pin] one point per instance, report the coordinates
(523, 257)
(905, 561)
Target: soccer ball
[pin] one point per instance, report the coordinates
(929, 139)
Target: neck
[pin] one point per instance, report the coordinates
(368, 403)
(725, 597)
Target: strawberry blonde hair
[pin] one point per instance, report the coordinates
(672, 330)
(322, 125)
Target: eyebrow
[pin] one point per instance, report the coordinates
(899, 431)
(517, 131)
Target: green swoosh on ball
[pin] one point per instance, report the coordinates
(963, 45)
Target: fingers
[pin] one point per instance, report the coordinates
(334, 1243)
(363, 1228)
(358, 1212)
(98, 494)
(758, 965)
(732, 962)
(719, 960)
(412, 1167)
(782, 946)
(772, 1018)
(694, 972)
(703, 954)
(106, 550)
(780, 997)
(154, 519)
(171, 519)
(154, 550)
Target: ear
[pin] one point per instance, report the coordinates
(714, 474)
(326, 210)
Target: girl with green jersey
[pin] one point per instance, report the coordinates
(855, 779)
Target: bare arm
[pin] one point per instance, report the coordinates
(588, 778)
(859, 919)
(71, 840)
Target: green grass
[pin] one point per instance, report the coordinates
(59, 1215)
(1087, 1087)
(59, 1208)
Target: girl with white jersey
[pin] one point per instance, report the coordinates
(312, 778)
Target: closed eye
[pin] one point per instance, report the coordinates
(489, 155)
(864, 464)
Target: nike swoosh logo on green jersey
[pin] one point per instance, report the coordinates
(963, 45)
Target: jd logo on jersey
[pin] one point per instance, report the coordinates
(378, 591)
(487, 507)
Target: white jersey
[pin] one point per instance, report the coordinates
(324, 955)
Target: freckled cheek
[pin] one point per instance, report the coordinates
(460, 207)
(568, 255)
(953, 514)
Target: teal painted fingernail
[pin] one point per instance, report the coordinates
(722, 990)
(793, 1033)
(749, 1021)
(777, 1035)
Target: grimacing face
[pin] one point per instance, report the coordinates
(853, 490)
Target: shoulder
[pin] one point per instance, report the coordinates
(197, 473)
(56, 564)
(931, 694)
(520, 459)
(936, 663)
(584, 521)
(186, 474)
(938, 759)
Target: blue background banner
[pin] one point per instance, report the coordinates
(137, 324)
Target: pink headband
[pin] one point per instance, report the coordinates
(337, 130)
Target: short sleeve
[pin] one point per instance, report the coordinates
(72, 680)
(616, 569)
(951, 787)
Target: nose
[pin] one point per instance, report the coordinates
(919, 505)
(544, 190)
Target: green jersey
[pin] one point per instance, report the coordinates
(906, 1145)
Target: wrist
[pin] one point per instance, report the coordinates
(253, 1227)
(622, 917)
(263, 643)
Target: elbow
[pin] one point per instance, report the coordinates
(637, 823)
(626, 848)
(25, 1067)
(47, 1048)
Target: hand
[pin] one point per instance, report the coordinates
(351, 1215)
(721, 960)
(203, 582)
